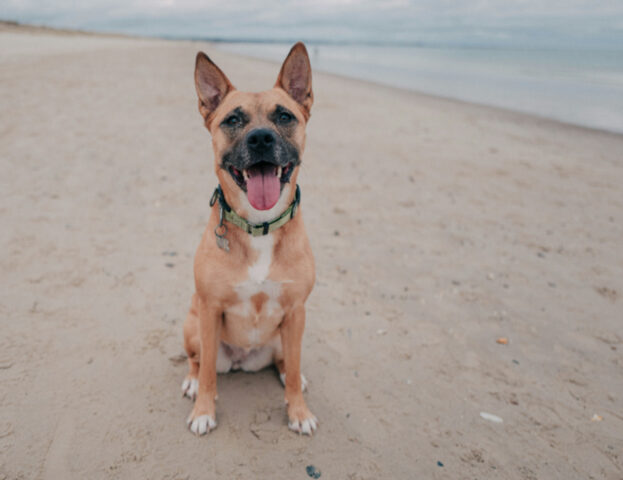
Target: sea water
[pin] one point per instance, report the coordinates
(582, 87)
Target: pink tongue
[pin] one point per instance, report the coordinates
(263, 187)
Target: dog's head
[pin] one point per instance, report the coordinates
(258, 138)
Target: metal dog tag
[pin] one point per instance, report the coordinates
(222, 242)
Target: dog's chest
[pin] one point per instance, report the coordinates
(253, 318)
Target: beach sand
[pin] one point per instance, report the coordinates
(437, 226)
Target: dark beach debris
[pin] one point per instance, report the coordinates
(169, 254)
(169, 265)
(439, 464)
(312, 471)
(178, 359)
(608, 293)
(5, 365)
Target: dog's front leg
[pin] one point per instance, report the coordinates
(301, 420)
(203, 416)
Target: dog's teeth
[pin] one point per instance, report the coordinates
(245, 174)
(279, 172)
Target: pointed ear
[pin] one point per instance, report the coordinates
(295, 77)
(211, 84)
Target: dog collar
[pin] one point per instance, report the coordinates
(254, 229)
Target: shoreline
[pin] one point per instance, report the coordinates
(7, 25)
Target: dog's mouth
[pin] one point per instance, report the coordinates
(262, 182)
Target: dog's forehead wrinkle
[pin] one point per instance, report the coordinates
(239, 110)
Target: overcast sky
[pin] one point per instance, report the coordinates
(458, 22)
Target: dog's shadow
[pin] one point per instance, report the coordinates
(252, 401)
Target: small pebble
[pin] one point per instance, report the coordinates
(502, 341)
(312, 471)
(516, 362)
(169, 265)
(491, 417)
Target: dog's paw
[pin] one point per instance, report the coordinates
(201, 425)
(282, 377)
(302, 421)
(190, 386)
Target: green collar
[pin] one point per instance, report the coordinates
(256, 230)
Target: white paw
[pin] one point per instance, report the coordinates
(306, 427)
(201, 425)
(282, 377)
(190, 386)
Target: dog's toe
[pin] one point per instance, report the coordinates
(201, 425)
(190, 386)
(307, 426)
(282, 377)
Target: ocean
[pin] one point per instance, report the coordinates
(581, 87)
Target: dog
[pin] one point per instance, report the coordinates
(254, 267)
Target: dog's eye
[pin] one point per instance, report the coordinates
(285, 117)
(232, 121)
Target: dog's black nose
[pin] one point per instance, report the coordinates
(261, 140)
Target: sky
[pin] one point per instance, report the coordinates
(494, 23)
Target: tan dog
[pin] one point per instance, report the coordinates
(254, 267)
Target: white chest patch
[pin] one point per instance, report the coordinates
(258, 272)
(257, 282)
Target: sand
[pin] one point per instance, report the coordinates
(438, 227)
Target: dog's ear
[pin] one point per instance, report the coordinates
(211, 84)
(295, 77)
